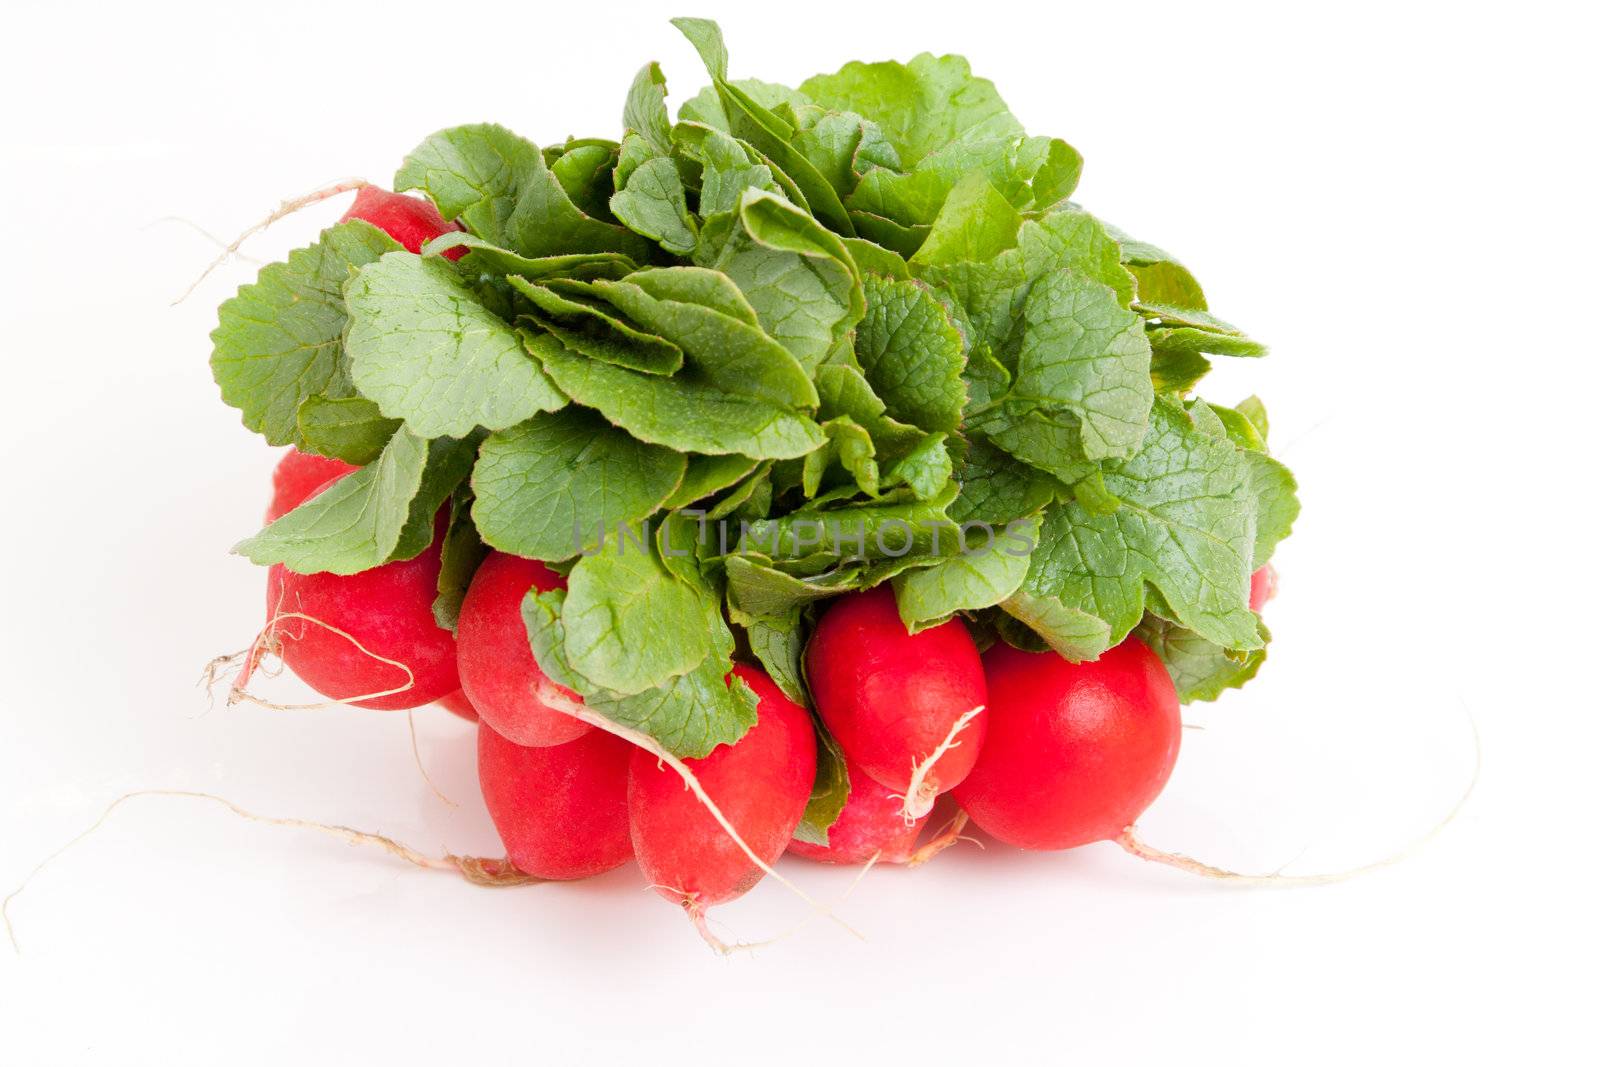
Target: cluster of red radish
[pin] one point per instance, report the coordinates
(1039, 752)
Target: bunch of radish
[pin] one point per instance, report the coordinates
(772, 479)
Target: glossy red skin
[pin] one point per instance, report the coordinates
(1076, 751)
(890, 698)
(389, 610)
(1263, 587)
(761, 783)
(562, 810)
(498, 671)
(457, 704)
(872, 823)
(408, 219)
(298, 476)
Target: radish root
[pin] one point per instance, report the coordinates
(268, 643)
(283, 210)
(699, 918)
(482, 871)
(922, 792)
(1131, 843)
(942, 840)
(552, 697)
(416, 754)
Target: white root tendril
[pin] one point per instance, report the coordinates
(700, 919)
(1131, 843)
(942, 840)
(475, 869)
(552, 697)
(416, 754)
(268, 643)
(202, 231)
(922, 791)
(283, 210)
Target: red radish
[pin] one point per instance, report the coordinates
(562, 810)
(893, 700)
(457, 704)
(498, 671)
(872, 824)
(408, 219)
(761, 783)
(1076, 751)
(298, 476)
(1263, 587)
(388, 610)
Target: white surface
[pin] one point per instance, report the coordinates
(1401, 201)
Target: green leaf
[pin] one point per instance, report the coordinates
(598, 331)
(646, 110)
(1177, 371)
(873, 258)
(926, 469)
(459, 555)
(472, 173)
(1200, 669)
(1187, 527)
(762, 591)
(975, 223)
(1253, 409)
(922, 106)
(830, 791)
(996, 488)
(279, 341)
(734, 355)
(382, 512)
(799, 277)
(986, 573)
(778, 644)
(850, 445)
(484, 258)
(912, 354)
(890, 529)
(771, 134)
(424, 350)
(546, 221)
(689, 715)
(560, 484)
(653, 204)
(707, 475)
(1177, 341)
(350, 428)
(1057, 176)
(680, 413)
(1085, 355)
(1071, 631)
(1167, 282)
(632, 625)
(992, 295)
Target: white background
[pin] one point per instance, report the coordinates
(1400, 199)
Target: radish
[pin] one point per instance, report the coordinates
(1263, 587)
(298, 476)
(457, 704)
(761, 784)
(1075, 751)
(411, 221)
(907, 709)
(368, 639)
(498, 672)
(562, 810)
(871, 824)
